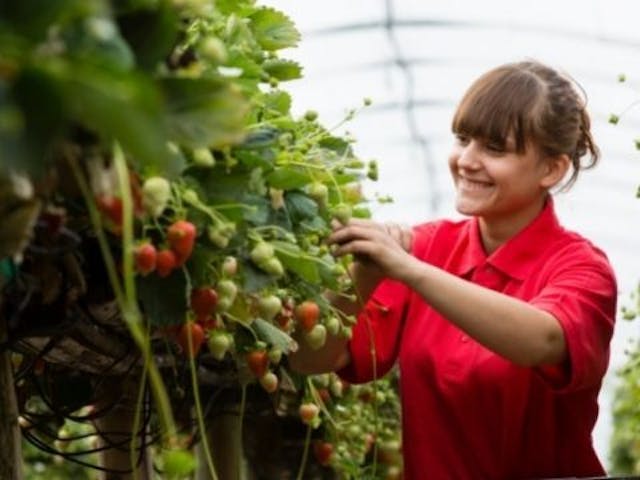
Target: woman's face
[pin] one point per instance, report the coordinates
(496, 182)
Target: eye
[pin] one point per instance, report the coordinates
(495, 147)
(462, 139)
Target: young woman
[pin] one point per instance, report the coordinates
(501, 322)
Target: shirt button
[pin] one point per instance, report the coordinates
(464, 338)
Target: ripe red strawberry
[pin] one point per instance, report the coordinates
(197, 338)
(181, 236)
(208, 322)
(307, 314)
(323, 451)
(258, 361)
(111, 207)
(203, 301)
(145, 258)
(166, 261)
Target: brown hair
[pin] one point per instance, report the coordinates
(536, 104)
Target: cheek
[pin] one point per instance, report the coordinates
(453, 161)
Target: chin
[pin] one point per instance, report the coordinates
(465, 209)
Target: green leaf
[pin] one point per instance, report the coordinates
(286, 178)
(295, 260)
(250, 69)
(274, 30)
(33, 18)
(170, 307)
(204, 112)
(274, 336)
(300, 207)
(282, 69)
(327, 274)
(234, 6)
(277, 101)
(41, 105)
(260, 138)
(124, 106)
(96, 40)
(337, 144)
(150, 33)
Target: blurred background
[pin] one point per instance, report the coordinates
(414, 59)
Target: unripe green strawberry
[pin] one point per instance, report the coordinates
(230, 266)
(333, 325)
(156, 192)
(227, 289)
(273, 266)
(214, 50)
(337, 387)
(342, 212)
(316, 337)
(202, 157)
(219, 343)
(178, 463)
(275, 355)
(269, 382)
(269, 306)
(319, 192)
(277, 198)
(191, 196)
(224, 304)
(310, 115)
(262, 252)
(217, 236)
(346, 332)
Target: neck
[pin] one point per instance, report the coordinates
(495, 231)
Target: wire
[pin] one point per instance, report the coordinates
(410, 103)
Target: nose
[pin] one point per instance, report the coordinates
(468, 155)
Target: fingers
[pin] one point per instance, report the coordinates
(379, 232)
(402, 234)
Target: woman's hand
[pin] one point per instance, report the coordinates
(379, 249)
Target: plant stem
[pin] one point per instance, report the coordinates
(129, 310)
(305, 454)
(198, 404)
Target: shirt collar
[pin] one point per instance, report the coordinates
(519, 254)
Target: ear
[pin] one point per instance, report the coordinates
(556, 167)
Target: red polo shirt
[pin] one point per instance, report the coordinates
(469, 413)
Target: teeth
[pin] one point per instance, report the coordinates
(472, 185)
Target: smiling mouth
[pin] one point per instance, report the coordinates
(468, 184)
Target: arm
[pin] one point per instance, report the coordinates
(366, 276)
(512, 328)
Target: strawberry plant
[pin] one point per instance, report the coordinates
(166, 210)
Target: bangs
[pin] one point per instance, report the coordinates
(502, 103)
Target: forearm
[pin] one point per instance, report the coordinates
(508, 326)
(334, 355)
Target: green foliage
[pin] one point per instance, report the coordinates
(625, 442)
(128, 94)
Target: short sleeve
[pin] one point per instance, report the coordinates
(582, 296)
(380, 323)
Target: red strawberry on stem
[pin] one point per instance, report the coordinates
(197, 338)
(181, 236)
(145, 258)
